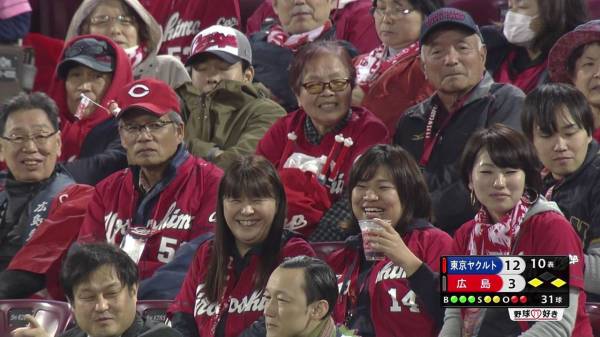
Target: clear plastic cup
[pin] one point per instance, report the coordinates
(367, 227)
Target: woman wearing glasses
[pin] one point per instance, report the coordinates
(314, 147)
(133, 28)
(390, 78)
(91, 71)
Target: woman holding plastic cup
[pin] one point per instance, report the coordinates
(500, 167)
(394, 294)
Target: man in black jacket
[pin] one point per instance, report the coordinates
(559, 122)
(100, 282)
(466, 99)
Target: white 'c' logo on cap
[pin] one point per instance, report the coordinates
(139, 90)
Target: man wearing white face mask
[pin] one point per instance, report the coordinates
(517, 53)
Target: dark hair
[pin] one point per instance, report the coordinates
(557, 17)
(314, 50)
(24, 101)
(320, 282)
(250, 176)
(575, 55)
(425, 7)
(406, 175)
(85, 259)
(543, 105)
(507, 148)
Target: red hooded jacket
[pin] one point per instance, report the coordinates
(74, 131)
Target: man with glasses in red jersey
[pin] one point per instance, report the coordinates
(38, 195)
(166, 197)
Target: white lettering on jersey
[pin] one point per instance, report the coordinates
(202, 306)
(297, 221)
(390, 272)
(176, 28)
(174, 219)
(113, 226)
(231, 21)
(213, 217)
(256, 302)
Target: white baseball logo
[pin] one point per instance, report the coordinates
(139, 90)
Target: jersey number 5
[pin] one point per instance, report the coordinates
(167, 249)
(409, 300)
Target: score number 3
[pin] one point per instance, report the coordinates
(409, 300)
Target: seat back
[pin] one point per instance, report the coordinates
(593, 310)
(325, 248)
(153, 311)
(54, 316)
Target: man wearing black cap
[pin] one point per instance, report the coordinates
(467, 98)
(93, 69)
(226, 114)
(166, 197)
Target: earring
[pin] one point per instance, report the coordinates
(472, 198)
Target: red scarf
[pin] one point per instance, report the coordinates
(136, 55)
(492, 239)
(373, 64)
(278, 36)
(526, 80)
(489, 238)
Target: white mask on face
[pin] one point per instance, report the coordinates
(517, 28)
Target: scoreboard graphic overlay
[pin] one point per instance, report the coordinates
(505, 281)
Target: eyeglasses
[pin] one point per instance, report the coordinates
(137, 129)
(103, 20)
(40, 139)
(336, 85)
(87, 46)
(393, 12)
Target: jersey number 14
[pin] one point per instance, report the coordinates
(409, 300)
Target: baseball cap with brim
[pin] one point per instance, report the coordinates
(447, 17)
(565, 46)
(226, 57)
(227, 43)
(92, 53)
(150, 95)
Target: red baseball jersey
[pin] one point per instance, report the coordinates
(183, 210)
(244, 303)
(395, 309)
(181, 20)
(547, 233)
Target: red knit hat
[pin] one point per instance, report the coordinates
(564, 47)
